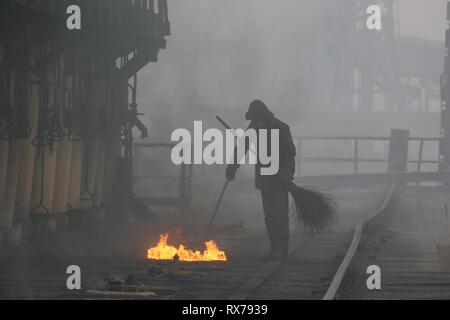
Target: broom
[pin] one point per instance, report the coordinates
(316, 211)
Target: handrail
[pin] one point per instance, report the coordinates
(378, 138)
(356, 159)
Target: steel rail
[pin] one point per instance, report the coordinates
(269, 268)
(333, 289)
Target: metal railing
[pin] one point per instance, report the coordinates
(356, 159)
(183, 201)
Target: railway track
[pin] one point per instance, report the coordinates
(349, 259)
(306, 274)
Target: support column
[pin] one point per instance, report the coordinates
(62, 174)
(6, 221)
(102, 158)
(114, 163)
(43, 191)
(11, 235)
(63, 162)
(88, 174)
(4, 147)
(98, 187)
(366, 91)
(44, 184)
(27, 159)
(77, 149)
(91, 161)
(444, 146)
(398, 151)
(75, 175)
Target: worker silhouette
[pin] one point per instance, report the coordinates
(273, 188)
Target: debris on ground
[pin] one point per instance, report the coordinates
(120, 287)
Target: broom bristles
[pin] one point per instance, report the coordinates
(316, 210)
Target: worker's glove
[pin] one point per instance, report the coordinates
(231, 171)
(285, 176)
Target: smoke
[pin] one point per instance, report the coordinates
(293, 55)
(223, 54)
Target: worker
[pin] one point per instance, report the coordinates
(273, 188)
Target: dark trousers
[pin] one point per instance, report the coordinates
(276, 211)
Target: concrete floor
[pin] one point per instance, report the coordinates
(37, 270)
(405, 250)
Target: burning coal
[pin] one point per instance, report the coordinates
(163, 251)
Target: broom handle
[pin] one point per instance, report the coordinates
(211, 220)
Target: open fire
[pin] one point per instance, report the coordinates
(163, 251)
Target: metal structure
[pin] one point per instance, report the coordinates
(356, 159)
(396, 162)
(182, 202)
(444, 149)
(366, 61)
(66, 111)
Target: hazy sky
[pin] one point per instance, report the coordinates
(423, 18)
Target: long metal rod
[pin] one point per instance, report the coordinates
(213, 216)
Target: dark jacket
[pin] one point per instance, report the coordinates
(287, 155)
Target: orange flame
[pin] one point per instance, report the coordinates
(163, 251)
